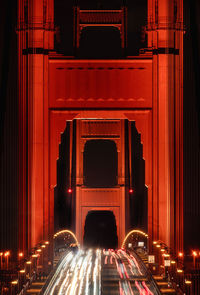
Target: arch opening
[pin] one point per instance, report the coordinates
(100, 42)
(139, 199)
(100, 163)
(62, 204)
(64, 192)
(100, 230)
(137, 214)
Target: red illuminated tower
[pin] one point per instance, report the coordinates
(144, 91)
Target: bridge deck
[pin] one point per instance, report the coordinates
(100, 272)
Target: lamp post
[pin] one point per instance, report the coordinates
(1, 256)
(194, 254)
(14, 288)
(20, 255)
(188, 284)
(22, 274)
(28, 263)
(6, 255)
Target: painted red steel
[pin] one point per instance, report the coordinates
(145, 89)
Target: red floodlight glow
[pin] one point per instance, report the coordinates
(69, 190)
(131, 191)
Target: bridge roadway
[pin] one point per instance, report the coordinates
(95, 272)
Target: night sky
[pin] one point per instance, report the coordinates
(64, 40)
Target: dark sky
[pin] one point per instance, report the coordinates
(9, 104)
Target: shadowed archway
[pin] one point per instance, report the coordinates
(139, 198)
(100, 230)
(100, 163)
(100, 42)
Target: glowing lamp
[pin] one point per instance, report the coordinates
(43, 246)
(14, 282)
(39, 250)
(180, 254)
(20, 254)
(179, 270)
(187, 282)
(194, 253)
(158, 246)
(28, 262)
(131, 191)
(35, 255)
(69, 190)
(166, 255)
(173, 262)
(22, 271)
(47, 242)
(1, 254)
(154, 242)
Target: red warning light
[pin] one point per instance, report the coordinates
(69, 190)
(131, 191)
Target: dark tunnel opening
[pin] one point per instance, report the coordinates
(100, 230)
(100, 163)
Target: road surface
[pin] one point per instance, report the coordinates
(95, 272)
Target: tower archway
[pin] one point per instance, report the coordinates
(100, 229)
(100, 42)
(100, 163)
(100, 170)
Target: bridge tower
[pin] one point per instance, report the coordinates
(144, 91)
(165, 39)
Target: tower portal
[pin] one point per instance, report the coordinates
(100, 230)
(119, 119)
